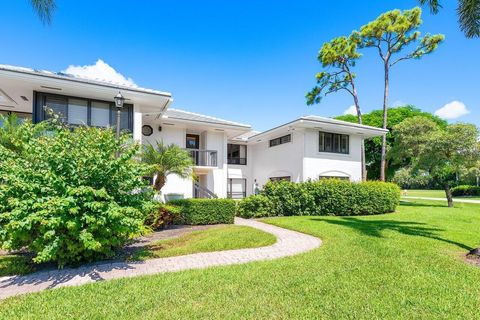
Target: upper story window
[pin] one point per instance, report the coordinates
(192, 141)
(280, 140)
(333, 142)
(81, 111)
(236, 154)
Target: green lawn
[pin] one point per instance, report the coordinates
(406, 265)
(433, 194)
(214, 239)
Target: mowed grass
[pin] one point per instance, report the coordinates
(218, 238)
(434, 194)
(214, 239)
(405, 265)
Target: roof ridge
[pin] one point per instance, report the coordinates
(209, 117)
(62, 75)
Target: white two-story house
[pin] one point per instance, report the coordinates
(229, 157)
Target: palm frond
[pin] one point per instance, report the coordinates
(434, 5)
(469, 17)
(44, 9)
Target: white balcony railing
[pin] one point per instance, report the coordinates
(204, 158)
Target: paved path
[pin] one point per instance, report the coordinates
(443, 199)
(288, 243)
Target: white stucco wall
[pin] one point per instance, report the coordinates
(169, 135)
(243, 171)
(317, 163)
(282, 160)
(217, 177)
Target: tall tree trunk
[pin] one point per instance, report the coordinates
(359, 118)
(159, 182)
(448, 193)
(384, 126)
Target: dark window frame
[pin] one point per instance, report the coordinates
(236, 160)
(280, 140)
(39, 114)
(280, 178)
(335, 144)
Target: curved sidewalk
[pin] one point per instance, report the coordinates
(288, 243)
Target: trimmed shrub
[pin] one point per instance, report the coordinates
(67, 198)
(205, 211)
(162, 215)
(331, 197)
(255, 206)
(466, 190)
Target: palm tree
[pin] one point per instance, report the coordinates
(44, 9)
(468, 15)
(165, 160)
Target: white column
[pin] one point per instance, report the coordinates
(137, 123)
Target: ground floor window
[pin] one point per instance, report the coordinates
(333, 177)
(284, 178)
(236, 188)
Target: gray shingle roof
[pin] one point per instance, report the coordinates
(196, 117)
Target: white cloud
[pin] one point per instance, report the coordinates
(452, 110)
(398, 103)
(99, 71)
(351, 110)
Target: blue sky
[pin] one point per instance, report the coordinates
(248, 61)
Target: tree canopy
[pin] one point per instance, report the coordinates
(373, 146)
(443, 152)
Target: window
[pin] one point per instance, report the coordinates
(100, 114)
(79, 111)
(281, 140)
(333, 142)
(333, 177)
(193, 141)
(236, 188)
(236, 154)
(284, 178)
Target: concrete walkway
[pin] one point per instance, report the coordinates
(443, 199)
(288, 243)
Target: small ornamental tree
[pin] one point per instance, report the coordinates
(67, 198)
(392, 34)
(443, 153)
(338, 57)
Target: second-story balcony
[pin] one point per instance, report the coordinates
(204, 158)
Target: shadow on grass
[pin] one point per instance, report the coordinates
(374, 228)
(408, 203)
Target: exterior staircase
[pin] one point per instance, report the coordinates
(202, 192)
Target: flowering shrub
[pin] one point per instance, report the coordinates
(67, 197)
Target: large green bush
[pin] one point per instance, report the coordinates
(254, 206)
(205, 211)
(65, 195)
(465, 190)
(331, 197)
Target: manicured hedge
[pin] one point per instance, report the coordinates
(254, 207)
(323, 197)
(205, 211)
(466, 190)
